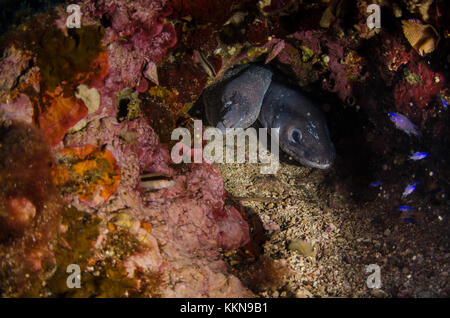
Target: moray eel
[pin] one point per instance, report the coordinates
(235, 101)
(303, 129)
(251, 92)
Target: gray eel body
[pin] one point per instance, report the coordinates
(249, 91)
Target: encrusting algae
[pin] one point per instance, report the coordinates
(89, 172)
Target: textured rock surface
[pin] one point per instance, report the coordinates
(170, 242)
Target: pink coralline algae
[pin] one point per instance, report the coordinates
(206, 222)
(18, 110)
(233, 230)
(14, 67)
(393, 55)
(189, 220)
(419, 86)
(136, 34)
(320, 56)
(178, 231)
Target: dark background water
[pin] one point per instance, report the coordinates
(14, 11)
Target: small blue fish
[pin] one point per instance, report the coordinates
(405, 208)
(403, 123)
(410, 220)
(418, 155)
(443, 101)
(410, 187)
(376, 184)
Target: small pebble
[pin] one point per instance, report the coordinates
(379, 293)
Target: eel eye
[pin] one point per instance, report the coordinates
(295, 135)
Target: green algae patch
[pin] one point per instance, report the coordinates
(129, 105)
(62, 58)
(76, 247)
(256, 51)
(303, 247)
(307, 53)
(104, 279)
(101, 273)
(165, 110)
(410, 77)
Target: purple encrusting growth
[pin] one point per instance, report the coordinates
(403, 123)
(410, 188)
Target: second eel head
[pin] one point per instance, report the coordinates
(303, 130)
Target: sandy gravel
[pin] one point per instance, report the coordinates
(347, 233)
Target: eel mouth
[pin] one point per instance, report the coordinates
(310, 163)
(313, 164)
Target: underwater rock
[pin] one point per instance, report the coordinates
(258, 32)
(418, 87)
(89, 96)
(164, 237)
(147, 37)
(12, 64)
(325, 58)
(420, 7)
(19, 110)
(233, 230)
(189, 220)
(56, 62)
(62, 113)
(88, 172)
(393, 54)
(30, 209)
(225, 226)
(91, 99)
(17, 76)
(64, 60)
